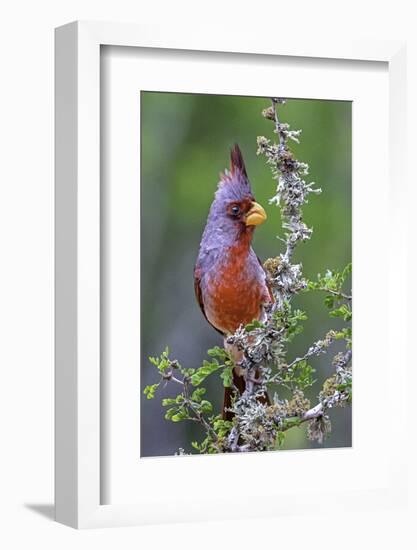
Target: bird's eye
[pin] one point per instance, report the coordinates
(235, 210)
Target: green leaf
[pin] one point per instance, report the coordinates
(227, 376)
(163, 363)
(331, 281)
(222, 427)
(311, 285)
(204, 371)
(254, 325)
(206, 406)
(170, 413)
(343, 311)
(219, 353)
(302, 375)
(149, 391)
(177, 415)
(154, 361)
(280, 439)
(343, 334)
(293, 326)
(347, 270)
(346, 388)
(168, 401)
(198, 394)
(329, 301)
(187, 372)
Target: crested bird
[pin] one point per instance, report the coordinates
(229, 280)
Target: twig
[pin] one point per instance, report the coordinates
(335, 293)
(199, 417)
(318, 347)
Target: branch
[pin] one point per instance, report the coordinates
(336, 398)
(198, 416)
(318, 347)
(335, 293)
(266, 344)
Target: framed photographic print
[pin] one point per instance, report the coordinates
(222, 208)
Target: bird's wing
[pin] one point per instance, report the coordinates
(199, 296)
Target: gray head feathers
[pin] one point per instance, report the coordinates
(234, 183)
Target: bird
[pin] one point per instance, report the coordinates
(229, 280)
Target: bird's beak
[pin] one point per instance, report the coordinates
(256, 215)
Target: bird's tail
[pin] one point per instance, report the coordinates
(237, 389)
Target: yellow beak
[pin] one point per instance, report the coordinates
(256, 215)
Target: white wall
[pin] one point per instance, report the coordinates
(26, 273)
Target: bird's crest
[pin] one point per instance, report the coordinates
(237, 164)
(236, 179)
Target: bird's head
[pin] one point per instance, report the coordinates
(234, 210)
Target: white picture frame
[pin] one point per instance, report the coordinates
(78, 404)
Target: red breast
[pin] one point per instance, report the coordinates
(236, 293)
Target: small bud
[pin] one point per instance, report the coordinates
(269, 113)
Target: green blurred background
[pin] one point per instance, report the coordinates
(186, 140)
